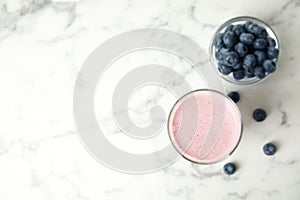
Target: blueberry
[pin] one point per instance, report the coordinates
(238, 74)
(249, 61)
(230, 39)
(252, 28)
(264, 34)
(260, 43)
(271, 42)
(235, 96)
(229, 28)
(247, 38)
(247, 24)
(259, 72)
(249, 72)
(241, 49)
(231, 59)
(238, 66)
(220, 53)
(261, 56)
(224, 70)
(238, 29)
(272, 52)
(229, 168)
(269, 149)
(218, 41)
(269, 66)
(259, 114)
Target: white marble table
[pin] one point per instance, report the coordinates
(43, 44)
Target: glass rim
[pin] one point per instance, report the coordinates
(251, 81)
(179, 150)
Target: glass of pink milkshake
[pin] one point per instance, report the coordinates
(205, 126)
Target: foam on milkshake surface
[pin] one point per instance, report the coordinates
(205, 126)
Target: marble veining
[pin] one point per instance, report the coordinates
(43, 44)
(284, 117)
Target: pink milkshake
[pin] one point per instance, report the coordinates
(205, 126)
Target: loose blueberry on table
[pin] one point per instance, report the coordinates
(245, 51)
(259, 115)
(235, 96)
(229, 168)
(269, 149)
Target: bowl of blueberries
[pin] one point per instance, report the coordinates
(244, 50)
